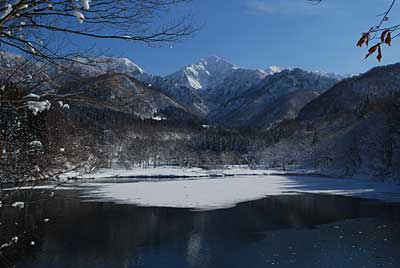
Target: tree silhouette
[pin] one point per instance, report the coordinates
(379, 34)
(41, 27)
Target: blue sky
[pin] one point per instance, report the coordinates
(259, 33)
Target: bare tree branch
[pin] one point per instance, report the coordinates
(381, 34)
(34, 26)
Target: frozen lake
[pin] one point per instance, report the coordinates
(240, 228)
(225, 192)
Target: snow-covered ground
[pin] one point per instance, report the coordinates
(224, 192)
(175, 172)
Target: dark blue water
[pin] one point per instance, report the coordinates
(281, 231)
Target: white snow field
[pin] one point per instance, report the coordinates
(217, 193)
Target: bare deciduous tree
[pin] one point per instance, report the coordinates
(34, 26)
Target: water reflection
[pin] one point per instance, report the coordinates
(253, 234)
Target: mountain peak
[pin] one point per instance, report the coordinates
(211, 58)
(274, 69)
(204, 73)
(215, 60)
(120, 65)
(103, 64)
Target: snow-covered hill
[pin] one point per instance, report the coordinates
(352, 129)
(101, 65)
(352, 93)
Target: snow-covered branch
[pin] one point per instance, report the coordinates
(34, 27)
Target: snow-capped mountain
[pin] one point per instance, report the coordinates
(203, 74)
(193, 99)
(274, 69)
(332, 75)
(214, 88)
(101, 65)
(212, 80)
(217, 89)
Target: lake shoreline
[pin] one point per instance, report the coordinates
(176, 172)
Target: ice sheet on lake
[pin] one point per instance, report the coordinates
(206, 194)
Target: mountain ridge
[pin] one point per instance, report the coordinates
(215, 89)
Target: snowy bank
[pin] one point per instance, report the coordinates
(208, 194)
(178, 172)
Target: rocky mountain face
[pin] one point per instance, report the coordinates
(282, 108)
(223, 92)
(233, 86)
(206, 73)
(192, 84)
(294, 87)
(192, 98)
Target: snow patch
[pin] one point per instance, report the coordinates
(35, 144)
(79, 16)
(32, 95)
(38, 106)
(274, 69)
(7, 11)
(19, 205)
(209, 194)
(86, 4)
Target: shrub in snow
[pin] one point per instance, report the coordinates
(38, 106)
(36, 169)
(4, 245)
(19, 205)
(35, 144)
